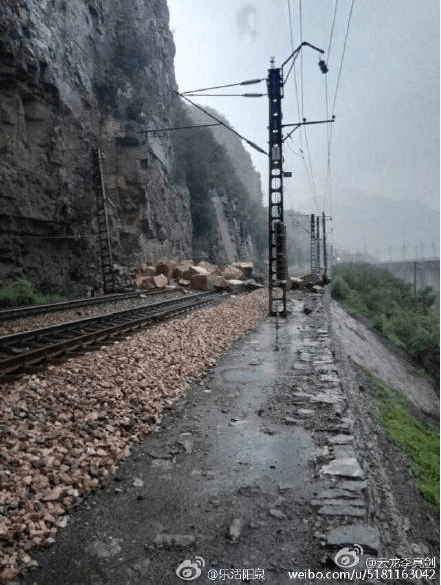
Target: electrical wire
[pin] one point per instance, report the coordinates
(300, 153)
(300, 106)
(330, 131)
(295, 79)
(296, 221)
(307, 159)
(301, 57)
(332, 30)
(249, 142)
(311, 173)
(177, 128)
(21, 235)
(290, 25)
(343, 55)
(247, 82)
(248, 95)
(328, 180)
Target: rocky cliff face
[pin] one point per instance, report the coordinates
(75, 77)
(240, 158)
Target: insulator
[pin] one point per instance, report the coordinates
(323, 66)
(251, 81)
(281, 253)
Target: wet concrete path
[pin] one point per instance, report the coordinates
(251, 471)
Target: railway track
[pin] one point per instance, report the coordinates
(20, 351)
(18, 313)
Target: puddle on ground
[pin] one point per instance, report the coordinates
(253, 374)
(247, 454)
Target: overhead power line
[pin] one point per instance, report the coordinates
(343, 55)
(249, 142)
(177, 128)
(247, 95)
(328, 185)
(332, 30)
(247, 82)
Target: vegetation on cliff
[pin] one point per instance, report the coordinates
(410, 321)
(203, 165)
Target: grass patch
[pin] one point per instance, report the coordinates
(24, 293)
(418, 441)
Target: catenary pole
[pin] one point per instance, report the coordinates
(277, 260)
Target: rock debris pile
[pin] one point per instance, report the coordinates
(63, 432)
(201, 276)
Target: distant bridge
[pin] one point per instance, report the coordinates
(421, 272)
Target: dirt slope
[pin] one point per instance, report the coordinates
(372, 351)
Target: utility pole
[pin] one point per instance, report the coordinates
(278, 260)
(313, 247)
(277, 248)
(325, 252)
(276, 229)
(318, 248)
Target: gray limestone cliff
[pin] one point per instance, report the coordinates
(76, 77)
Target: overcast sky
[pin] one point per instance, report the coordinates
(385, 139)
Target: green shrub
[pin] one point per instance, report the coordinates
(340, 289)
(22, 293)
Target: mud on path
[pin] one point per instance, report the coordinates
(271, 463)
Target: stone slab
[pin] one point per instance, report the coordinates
(305, 412)
(366, 536)
(301, 366)
(344, 467)
(355, 486)
(341, 439)
(338, 502)
(344, 452)
(336, 492)
(327, 398)
(342, 510)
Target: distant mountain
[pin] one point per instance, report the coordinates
(385, 228)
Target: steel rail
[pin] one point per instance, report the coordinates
(19, 312)
(28, 348)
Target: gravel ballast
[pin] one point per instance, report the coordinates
(62, 432)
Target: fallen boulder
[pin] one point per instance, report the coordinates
(211, 268)
(245, 267)
(235, 285)
(160, 280)
(181, 268)
(166, 267)
(295, 282)
(207, 281)
(192, 270)
(143, 282)
(232, 273)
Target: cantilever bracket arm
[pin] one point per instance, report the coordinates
(295, 53)
(305, 123)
